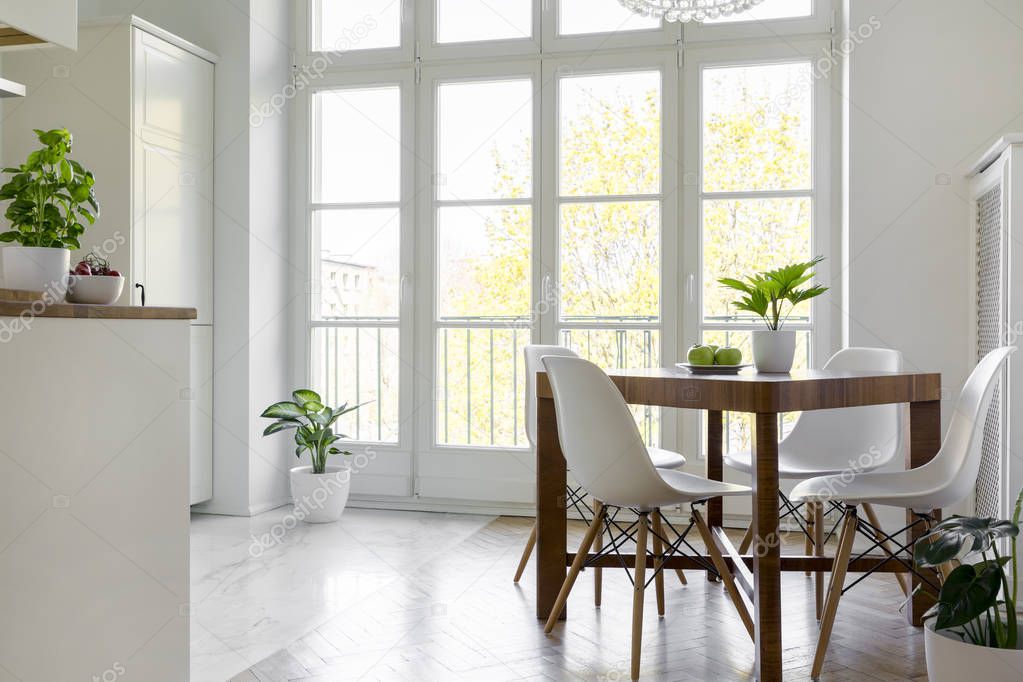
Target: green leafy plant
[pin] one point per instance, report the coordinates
(975, 601)
(313, 423)
(765, 293)
(51, 195)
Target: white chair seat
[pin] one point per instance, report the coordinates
(788, 467)
(691, 488)
(665, 459)
(917, 489)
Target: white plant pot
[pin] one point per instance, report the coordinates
(37, 268)
(949, 659)
(320, 498)
(773, 350)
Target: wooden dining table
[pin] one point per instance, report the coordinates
(765, 396)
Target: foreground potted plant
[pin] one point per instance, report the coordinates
(51, 199)
(973, 630)
(320, 491)
(765, 295)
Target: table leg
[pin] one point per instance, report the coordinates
(715, 469)
(766, 549)
(551, 528)
(924, 443)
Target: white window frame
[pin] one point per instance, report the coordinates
(822, 20)
(454, 475)
(824, 235)
(666, 62)
(392, 474)
(323, 61)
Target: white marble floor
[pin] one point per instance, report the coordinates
(260, 583)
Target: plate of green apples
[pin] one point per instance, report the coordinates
(711, 359)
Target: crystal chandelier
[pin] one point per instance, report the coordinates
(688, 10)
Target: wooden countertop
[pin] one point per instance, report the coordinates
(96, 312)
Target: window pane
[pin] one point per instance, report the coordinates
(756, 127)
(770, 9)
(480, 386)
(744, 236)
(342, 25)
(738, 425)
(483, 266)
(359, 365)
(357, 148)
(600, 16)
(617, 349)
(472, 20)
(485, 145)
(610, 134)
(610, 260)
(359, 262)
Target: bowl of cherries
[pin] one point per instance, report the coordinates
(93, 281)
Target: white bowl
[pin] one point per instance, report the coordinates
(94, 289)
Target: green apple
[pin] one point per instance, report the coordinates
(700, 355)
(726, 355)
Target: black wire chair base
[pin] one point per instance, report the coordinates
(880, 539)
(619, 534)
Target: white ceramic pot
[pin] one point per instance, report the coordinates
(95, 289)
(949, 659)
(773, 350)
(37, 268)
(320, 498)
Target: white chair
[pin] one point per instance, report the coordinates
(945, 480)
(824, 442)
(603, 447)
(665, 459)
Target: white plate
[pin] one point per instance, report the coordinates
(712, 369)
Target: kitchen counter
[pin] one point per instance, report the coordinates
(97, 312)
(94, 491)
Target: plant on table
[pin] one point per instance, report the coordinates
(313, 422)
(976, 601)
(52, 196)
(765, 293)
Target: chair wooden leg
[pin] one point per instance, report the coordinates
(845, 543)
(901, 578)
(577, 565)
(726, 575)
(808, 535)
(658, 560)
(639, 576)
(598, 573)
(747, 540)
(526, 552)
(818, 550)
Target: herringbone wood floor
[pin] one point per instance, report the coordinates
(460, 617)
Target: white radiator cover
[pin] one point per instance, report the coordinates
(997, 194)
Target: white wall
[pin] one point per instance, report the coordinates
(927, 93)
(250, 241)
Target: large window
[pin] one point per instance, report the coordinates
(484, 174)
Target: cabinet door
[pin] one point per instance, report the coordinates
(173, 184)
(201, 415)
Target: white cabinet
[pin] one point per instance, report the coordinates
(139, 103)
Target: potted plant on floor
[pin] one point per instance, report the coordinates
(973, 630)
(320, 492)
(52, 198)
(765, 295)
